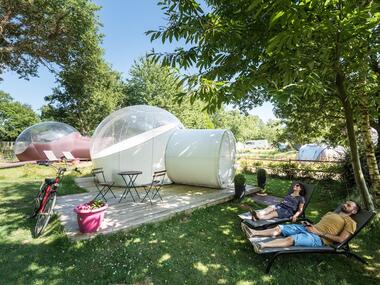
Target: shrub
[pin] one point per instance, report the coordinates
(239, 179)
(261, 177)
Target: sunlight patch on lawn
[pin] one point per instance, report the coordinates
(226, 232)
(314, 213)
(36, 269)
(371, 268)
(222, 281)
(245, 282)
(231, 209)
(201, 267)
(164, 258)
(267, 278)
(226, 229)
(215, 266)
(137, 240)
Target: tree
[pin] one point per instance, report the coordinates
(244, 127)
(14, 117)
(52, 33)
(273, 130)
(154, 85)
(88, 91)
(310, 47)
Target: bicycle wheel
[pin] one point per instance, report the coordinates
(44, 216)
(37, 200)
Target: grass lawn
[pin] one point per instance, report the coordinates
(206, 247)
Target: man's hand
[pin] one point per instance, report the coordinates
(294, 218)
(310, 228)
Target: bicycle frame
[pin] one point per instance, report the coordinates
(51, 188)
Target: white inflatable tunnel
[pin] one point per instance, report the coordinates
(133, 138)
(201, 157)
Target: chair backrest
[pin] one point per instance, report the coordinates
(98, 172)
(50, 155)
(309, 189)
(68, 155)
(159, 176)
(362, 218)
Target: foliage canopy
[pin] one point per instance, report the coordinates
(52, 33)
(14, 117)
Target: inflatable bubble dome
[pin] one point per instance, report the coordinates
(44, 132)
(51, 136)
(115, 132)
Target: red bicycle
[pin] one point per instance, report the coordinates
(45, 200)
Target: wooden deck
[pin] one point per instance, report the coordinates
(129, 215)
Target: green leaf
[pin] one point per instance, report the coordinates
(275, 18)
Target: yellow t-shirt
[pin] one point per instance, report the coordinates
(333, 224)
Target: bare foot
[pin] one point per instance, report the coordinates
(246, 230)
(254, 215)
(257, 247)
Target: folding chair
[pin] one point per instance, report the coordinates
(68, 155)
(102, 184)
(263, 224)
(50, 155)
(155, 186)
(362, 218)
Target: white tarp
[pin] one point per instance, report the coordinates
(201, 157)
(320, 152)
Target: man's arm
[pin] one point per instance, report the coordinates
(339, 238)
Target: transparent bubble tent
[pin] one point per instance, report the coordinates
(148, 139)
(133, 138)
(53, 136)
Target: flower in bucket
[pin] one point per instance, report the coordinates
(89, 206)
(90, 215)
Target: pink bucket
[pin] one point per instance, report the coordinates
(89, 221)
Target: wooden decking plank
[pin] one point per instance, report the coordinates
(128, 215)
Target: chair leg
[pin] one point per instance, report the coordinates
(101, 193)
(158, 194)
(125, 194)
(109, 190)
(270, 262)
(147, 195)
(357, 257)
(113, 193)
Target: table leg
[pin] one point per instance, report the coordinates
(127, 189)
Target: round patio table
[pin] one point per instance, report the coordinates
(129, 178)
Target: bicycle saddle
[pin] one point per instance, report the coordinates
(49, 181)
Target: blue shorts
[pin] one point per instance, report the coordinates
(300, 235)
(283, 212)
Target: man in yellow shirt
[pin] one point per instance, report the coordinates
(333, 227)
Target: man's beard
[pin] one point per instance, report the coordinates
(344, 210)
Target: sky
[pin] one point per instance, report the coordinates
(124, 24)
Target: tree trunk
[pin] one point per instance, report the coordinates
(370, 151)
(358, 173)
